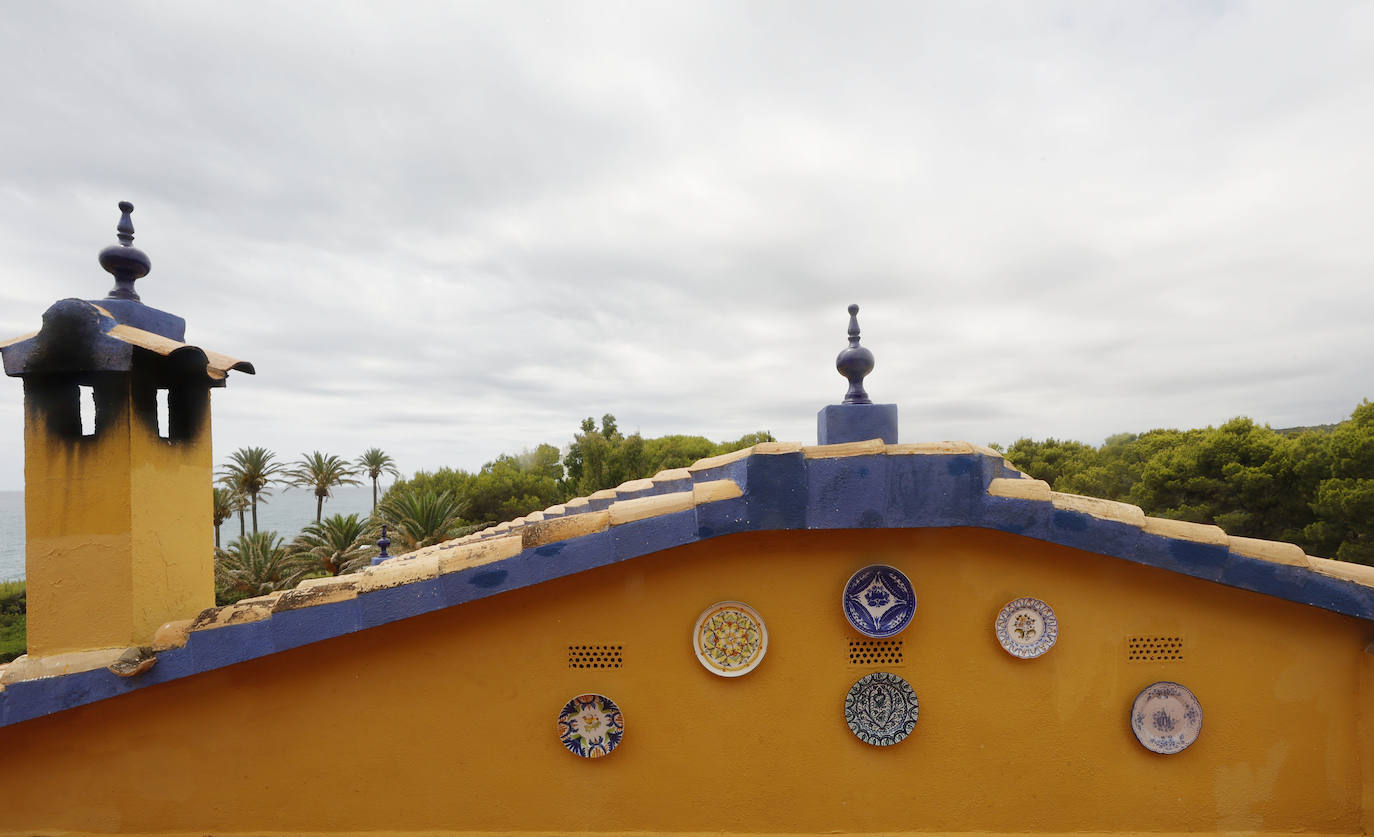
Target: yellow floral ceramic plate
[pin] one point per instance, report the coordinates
(730, 639)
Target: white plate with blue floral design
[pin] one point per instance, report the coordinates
(1026, 628)
(1166, 717)
(879, 601)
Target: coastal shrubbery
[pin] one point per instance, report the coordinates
(12, 619)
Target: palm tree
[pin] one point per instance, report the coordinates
(255, 565)
(419, 518)
(227, 501)
(321, 472)
(250, 471)
(338, 544)
(374, 462)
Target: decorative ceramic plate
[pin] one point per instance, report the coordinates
(730, 639)
(881, 709)
(591, 726)
(878, 601)
(1166, 717)
(1027, 628)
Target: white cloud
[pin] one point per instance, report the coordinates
(454, 231)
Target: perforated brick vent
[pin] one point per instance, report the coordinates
(596, 656)
(1155, 649)
(875, 652)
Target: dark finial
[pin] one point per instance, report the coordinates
(855, 362)
(382, 544)
(123, 260)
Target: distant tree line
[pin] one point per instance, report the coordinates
(429, 508)
(1310, 486)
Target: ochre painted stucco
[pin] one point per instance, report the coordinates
(118, 524)
(445, 723)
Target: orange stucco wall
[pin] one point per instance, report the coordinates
(446, 723)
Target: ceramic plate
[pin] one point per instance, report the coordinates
(878, 601)
(1166, 717)
(730, 639)
(881, 709)
(591, 726)
(1027, 628)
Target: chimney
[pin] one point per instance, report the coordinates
(117, 465)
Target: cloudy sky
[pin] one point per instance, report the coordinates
(454, 230)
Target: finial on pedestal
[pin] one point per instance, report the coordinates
(382, 544)
(855, 362)
(123, 260)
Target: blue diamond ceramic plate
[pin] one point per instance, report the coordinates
(1166, 717)
(878, 601)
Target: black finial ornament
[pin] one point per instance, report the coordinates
(382, 544)
(123, 260)
(855, 362)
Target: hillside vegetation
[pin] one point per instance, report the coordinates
(1310, 486)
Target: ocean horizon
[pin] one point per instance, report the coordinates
(286, 512)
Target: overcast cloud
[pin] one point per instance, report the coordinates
(454, 230)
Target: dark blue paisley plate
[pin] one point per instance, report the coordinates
(881, 709)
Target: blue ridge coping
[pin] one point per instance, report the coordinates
(847, 492)
(782, 492)
(530, 566)
(673, 486)
(738, 471)
(600, 503)
(725, 517)
(933, 490)
(224, 646)
(653, 534)
(304, 625)
(45, 695)
(776, 497)
(392, 604)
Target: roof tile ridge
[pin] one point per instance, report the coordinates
(1019, 488)
(1187, 531)
(1100, 508)
(868, 447)
(1275, 552)
(1362, 574)
(394, 573)
(928, 448)
(671, 475)
(26, 667)
(718, 460)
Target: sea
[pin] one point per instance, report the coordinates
(286, 512)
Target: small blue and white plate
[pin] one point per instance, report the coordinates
(1166, 718)
(1026, 628)
(879, 601)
